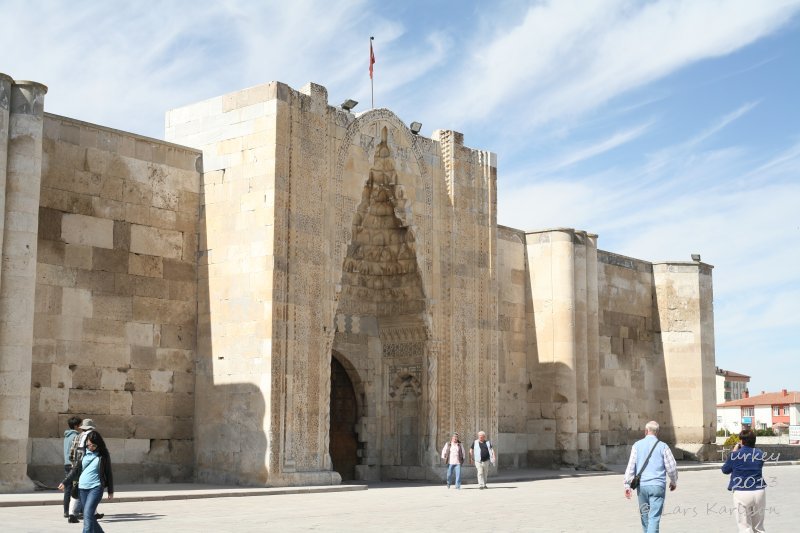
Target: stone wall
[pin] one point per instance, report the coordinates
(520, 431)
(243, 172)
(685, 311)
(116, 292)
(193, 306)
(292, 187)
(548, 375)
(564, 302)
(21, 119)
(633, 382)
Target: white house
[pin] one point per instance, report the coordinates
(779, 411)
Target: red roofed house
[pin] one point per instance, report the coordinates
(776, 410)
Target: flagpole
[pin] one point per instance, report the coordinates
(371, 79)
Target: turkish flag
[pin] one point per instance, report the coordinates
(371, 59)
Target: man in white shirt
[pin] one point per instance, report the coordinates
(482, 454)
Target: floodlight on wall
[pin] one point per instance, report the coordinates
(696, 257)
(415, 127)
(349, 104)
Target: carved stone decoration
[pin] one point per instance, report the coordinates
(381, 268)
(447, 141)
(432, 384)
(405, 378)
(326, 414)
(419, 239)
(382, 316)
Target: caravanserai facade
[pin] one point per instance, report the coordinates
(289, 293)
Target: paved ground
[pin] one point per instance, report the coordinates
(569, 504)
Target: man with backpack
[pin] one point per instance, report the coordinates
(70, 438)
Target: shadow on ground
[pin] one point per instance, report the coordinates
(131, 517)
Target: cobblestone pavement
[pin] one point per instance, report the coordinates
(594, 503)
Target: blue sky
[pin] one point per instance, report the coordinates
(667, 127)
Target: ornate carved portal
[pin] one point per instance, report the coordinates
(380, 321)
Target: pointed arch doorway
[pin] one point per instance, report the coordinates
(343, 447)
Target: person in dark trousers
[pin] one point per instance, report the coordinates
(70, 435)
(93, 473)
(482, 454)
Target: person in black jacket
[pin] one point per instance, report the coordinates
(70, 437)
(93, 473)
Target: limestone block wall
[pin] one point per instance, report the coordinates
(633, 382)
(518, 433)
(242, 176)
(191, 305)
(686, 322)
(657, 353)
(563, 284)
(114, 329)
(284, 176)
(595, 366)
(21, 109)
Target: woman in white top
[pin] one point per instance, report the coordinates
(453, 452)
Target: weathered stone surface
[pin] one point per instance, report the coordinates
(145, 265)
(92, 231)
(334, 288)
(156, 241)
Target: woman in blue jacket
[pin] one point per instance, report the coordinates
(747, 483)
(94, 474)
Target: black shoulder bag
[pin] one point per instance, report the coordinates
(634, 484)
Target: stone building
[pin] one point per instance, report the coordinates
(289, 293)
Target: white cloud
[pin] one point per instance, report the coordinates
(123, 65)
(564, 59)
(734, 205)
(583, 153)
(513, 79)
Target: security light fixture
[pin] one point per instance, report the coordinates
(415, 127)
(696, 257)
(349, 104)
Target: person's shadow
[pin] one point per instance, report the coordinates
(130, 517)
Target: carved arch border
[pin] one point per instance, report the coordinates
(343, 212)
(341, 236)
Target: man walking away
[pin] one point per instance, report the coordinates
(652, 460)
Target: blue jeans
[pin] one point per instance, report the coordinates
(651, 503)
(90, 498)
(457, 468)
